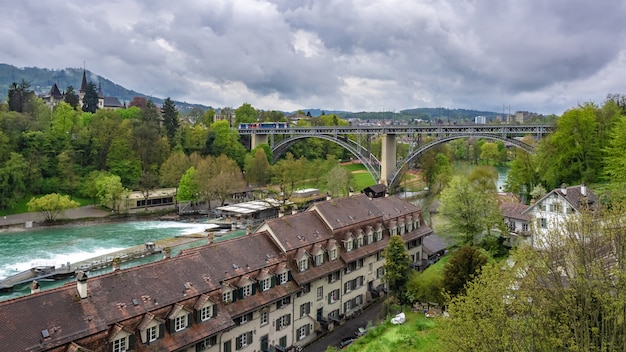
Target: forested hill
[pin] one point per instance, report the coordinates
(41, 80)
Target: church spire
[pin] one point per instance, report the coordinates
(83, 85)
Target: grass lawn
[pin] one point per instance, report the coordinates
(418, 333)
(21, 206)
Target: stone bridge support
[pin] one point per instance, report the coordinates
(388, 157)
(258, 139)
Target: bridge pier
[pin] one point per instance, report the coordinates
(388, 157)
(258, 139)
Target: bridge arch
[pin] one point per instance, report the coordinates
(371, 163)
(402, 167)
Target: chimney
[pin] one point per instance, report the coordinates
(563, 189)
(81, 284)
(34, 287)
(583, 190)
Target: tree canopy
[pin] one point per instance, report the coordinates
(397, 267)
(51, 205)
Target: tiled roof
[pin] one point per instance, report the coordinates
(298, 230)
(514, 210)
(112, 102)
(433, 244)
(577, 196)
(345, 212)
(392, 207)
(315, 272)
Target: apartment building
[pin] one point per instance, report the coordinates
(292, 279)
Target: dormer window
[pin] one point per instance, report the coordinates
(303, 264)
(283, 278)
(332, 254)
(180, 322)
(379, 234)
(247, 290)
(208, 312)
(348, 245)
(370, 237)
(359, 241)
(120, 345)
(319, 258)
(393, 231)
(227, 296)
(266, 284)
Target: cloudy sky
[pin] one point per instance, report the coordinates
(535, 55)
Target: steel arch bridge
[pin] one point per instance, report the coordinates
(441, 133)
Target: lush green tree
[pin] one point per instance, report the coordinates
(523, 175)
(13, 177)
(188, 187)
(171, 120)
(489, 152)
(90, 100)
(227, 179)
(194, 137)
(442, 173)
(148, 182)
(484, 178)
(89, 185)
(70, 180)
(71, 98)
(426, 286)
(130, 113)
(287, 173)
(461, 268)
(469, 210)
(122, 160)
(208, 117)
(148, 144)
(246, 113)
(338, 181)
(223, 140)
(173, 169)
(257, 167)
(51, 205)
(150, 113)
(615, 157)
(397, 268)
(111, 192)
(18, 95)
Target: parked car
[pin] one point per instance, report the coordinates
(345, 342)
(362, 331)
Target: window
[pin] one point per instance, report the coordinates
(359, 241)
(369, 270)
(227, 296)
(247, 290)
(283, 277)
(303, 264)
(334, 314)
(379, 255)
(348, 245)
(206, 313)
(379, 235)
(119, 345)
(333, 276)
(359, 263)
(152, 333)
(393, 231)
(347, 287)
(370, 237)
(244, 318)
(333, 296)
(264, 317)
(303, 332)
(543, 223)
(380, 272)
(347, 306)
(556, 208)
(305, 309)
(416, 223)
(320, 292)
(524, 227)
(180, 322)
(283, 302)
(206, 343)
(243, 340)
(283, 322)
(282, 341)
(333, 253)
(266, 284)
(319, 259)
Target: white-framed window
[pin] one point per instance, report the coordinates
(416, 223)
(543, 223)
(371, 265)
(393, 231)
(227, 296)
(119, 345)
(180, 322)
(379, 235)
(305, 309)
(152, 333)
(359, 241)
(525, 227)
(264, 317)
(266, 284)
(380, 272)
(206, 313)
(333, 253)
(348, 245)
(333, 296)
(207, 343)
(247, 290)
(320, 292)
(283, 277)
(283, 322)
(243, 340)
(303, 332)
(380, 255)
(303, 264)
(319, 258)
(370, 237)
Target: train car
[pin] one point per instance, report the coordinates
(263, 125)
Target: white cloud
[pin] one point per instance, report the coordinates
(354, 55)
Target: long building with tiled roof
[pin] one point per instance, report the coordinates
(291, 279)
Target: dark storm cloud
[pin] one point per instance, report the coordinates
(543, 56)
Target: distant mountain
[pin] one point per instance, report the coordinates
(41, 80)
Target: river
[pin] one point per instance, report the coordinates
(56, 246)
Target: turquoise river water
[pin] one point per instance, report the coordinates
(23, 250)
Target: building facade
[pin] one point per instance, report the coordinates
(278, 287)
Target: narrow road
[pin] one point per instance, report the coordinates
(370, 314)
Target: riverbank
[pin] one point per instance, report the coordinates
(83, 216)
